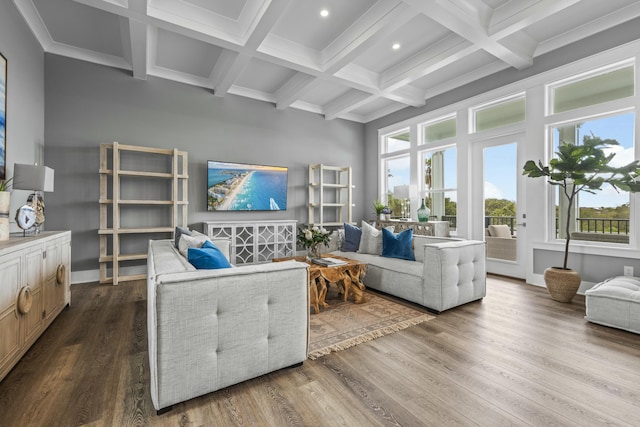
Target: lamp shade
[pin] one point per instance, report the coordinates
(405, 191)
(32, 177)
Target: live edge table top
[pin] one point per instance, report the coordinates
(348, 277)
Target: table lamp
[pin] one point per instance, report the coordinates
(34, 178)
(405, 193)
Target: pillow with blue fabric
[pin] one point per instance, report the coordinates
(207, 257)
(398, 245)
(352, 235)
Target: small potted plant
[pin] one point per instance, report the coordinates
(378, 206)
(579, 168)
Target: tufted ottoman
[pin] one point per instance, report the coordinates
(616, 303)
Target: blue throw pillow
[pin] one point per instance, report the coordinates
(208, 257)
(352, 235)
(397, 245)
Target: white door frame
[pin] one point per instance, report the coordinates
(518, 267)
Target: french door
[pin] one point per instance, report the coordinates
(499, 215)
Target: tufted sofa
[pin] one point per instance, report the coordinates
(447, 272)
(209, 329)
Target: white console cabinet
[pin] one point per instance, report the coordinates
(253, 242)
(34, 288)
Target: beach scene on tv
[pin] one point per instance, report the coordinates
(244, 187)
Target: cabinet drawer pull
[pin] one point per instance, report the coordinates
(24, 300)
(61, 274)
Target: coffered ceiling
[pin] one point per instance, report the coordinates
(343, 65)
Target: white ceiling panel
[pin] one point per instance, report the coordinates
(415, 36)
(323, 92)
(303, 24)
(185, 55)
(341, 66)
(89, 28)
(230, 9)
(468, 64)
(264, 76)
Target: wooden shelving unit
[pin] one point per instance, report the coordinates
(330, 195)
(149, 182)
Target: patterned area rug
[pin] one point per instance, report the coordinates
(345, 324)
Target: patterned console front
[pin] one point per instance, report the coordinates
(254, 242)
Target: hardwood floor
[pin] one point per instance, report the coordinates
(515, 358)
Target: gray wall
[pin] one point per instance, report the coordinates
(88, 104)
(25, 96)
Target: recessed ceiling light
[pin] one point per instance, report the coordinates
(324, 13)
(396, 46)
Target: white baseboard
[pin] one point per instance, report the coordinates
(87, 276)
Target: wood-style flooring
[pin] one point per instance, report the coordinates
(515, 358)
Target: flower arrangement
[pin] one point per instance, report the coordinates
(312, 238)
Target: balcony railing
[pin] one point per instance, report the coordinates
(585, 225)
(604, 225)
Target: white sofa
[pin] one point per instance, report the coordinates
(447, 272)
(209, 329)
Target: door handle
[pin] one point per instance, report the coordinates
(524, 224)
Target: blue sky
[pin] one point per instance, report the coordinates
(620, 128)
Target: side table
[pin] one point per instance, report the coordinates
(348, 276)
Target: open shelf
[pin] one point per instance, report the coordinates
(128, 172)
(330, 195)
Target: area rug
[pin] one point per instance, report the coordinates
(345, 324)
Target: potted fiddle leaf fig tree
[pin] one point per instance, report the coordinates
(575, 169)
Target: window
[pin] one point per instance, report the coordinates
(498, 114)
(397, 184)
(440, 184)
(594, 89)
(605, 215)
(439, 130)
(397, 142)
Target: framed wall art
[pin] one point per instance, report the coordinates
(3, 115)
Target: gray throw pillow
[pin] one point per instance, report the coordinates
(179, 232)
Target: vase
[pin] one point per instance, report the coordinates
(423, 213)
(5, 198)
(562, 284)
(313, 252)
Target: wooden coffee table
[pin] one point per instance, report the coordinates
(347, 277)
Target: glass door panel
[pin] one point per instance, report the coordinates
(499, 209)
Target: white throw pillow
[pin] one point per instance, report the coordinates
(501, 230)
(371, 241)
(187, 242)
(224, 245)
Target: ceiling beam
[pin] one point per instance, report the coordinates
(458, 20)
(264, 23)
(346, 103)
(439, 55)
(134, 40)
(512, 16)
(293, 90)
(381, 20)
(228, 68)
(32, 17)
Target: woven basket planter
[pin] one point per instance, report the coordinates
(562, 284)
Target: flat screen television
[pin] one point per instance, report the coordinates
(246, 187)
